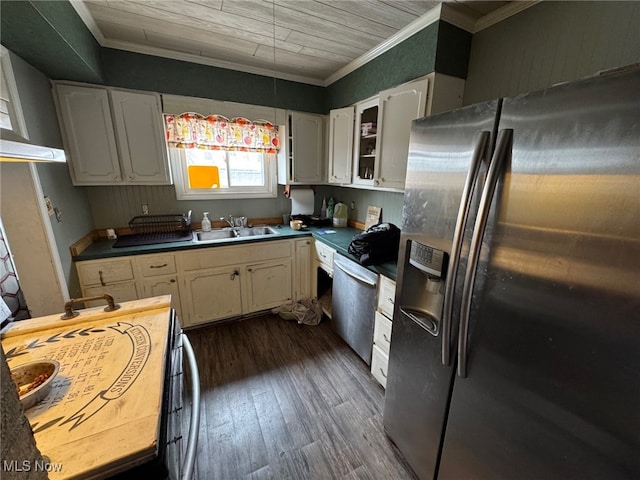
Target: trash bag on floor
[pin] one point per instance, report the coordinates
(306, 311)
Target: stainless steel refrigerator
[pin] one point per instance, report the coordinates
(515, 348)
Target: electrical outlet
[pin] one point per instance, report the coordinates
(145, 209)
(49, 204)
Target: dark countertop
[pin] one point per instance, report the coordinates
(337, 238)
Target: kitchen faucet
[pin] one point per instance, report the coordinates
(230, 221)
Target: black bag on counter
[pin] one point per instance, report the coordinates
(377, 244)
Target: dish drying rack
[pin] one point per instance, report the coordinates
(161, 223)
(154, 229)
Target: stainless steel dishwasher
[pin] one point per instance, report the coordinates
(354, 305)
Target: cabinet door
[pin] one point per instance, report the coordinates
(306, 152)
(302, 280)
(267, 285)
(90, 137)
(340, 144)
(163, 285)
(398, 107)
(211, 294)
(365, 144)
(140, 134)
(121, 292)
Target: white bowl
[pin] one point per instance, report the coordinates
(24, 375)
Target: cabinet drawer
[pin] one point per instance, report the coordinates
(382, 332)
(379, 364)
(152, 265)
(121, 292)
(102, 273)
(220, 256)
(324, 255)
(386, 296)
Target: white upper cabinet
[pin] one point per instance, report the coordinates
(90, 137)
(113, 137)
(381, 128)
(365, 144)
(300, 160)
(340, 145)
(140, 135)
(398, 108)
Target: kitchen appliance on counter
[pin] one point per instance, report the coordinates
(312, 220)
(121, 378)
(516, 331)
(155, 229)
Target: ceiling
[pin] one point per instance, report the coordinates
(316, 41)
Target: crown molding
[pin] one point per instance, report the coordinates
(459, 19)
(440, 12)
(414, 27)
(83, 12)
(503, 13)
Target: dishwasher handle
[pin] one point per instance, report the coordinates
(351, 268)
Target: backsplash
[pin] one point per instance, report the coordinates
(113, 207)
(391, 202)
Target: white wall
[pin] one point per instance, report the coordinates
(549, 43)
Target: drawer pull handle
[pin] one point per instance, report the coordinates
(391, 300)
(101, 279)
(382, 373)
(384, 335)
(233, 275)
(158, 266)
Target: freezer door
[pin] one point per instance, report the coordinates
(553, 369)
(418, 384)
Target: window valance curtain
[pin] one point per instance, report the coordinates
(215, 132)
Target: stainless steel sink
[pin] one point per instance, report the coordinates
(214, 235)
(227, 234)
(255, 231)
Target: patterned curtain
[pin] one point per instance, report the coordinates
(215, 132)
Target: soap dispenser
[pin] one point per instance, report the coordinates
(206, 223)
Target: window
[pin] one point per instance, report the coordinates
(214, 174)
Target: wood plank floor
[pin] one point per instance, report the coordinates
(288, 401)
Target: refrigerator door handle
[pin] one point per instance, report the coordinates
(463, 214)
(503, 149)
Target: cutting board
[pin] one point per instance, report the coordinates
(373, 216)
(103, 412)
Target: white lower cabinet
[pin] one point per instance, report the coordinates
(121, 292)
(382, 330)
(267, 285)
(115, 277)
(163, 285)
(379, 364)
(207, 284)
(302, 274)
(211, 294)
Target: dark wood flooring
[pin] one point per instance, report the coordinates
(288, 401)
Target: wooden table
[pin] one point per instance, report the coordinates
(102, 415)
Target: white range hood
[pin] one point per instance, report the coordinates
(14, 148)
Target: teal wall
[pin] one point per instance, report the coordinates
(51, 37)
(438, 47)
(146, 72)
